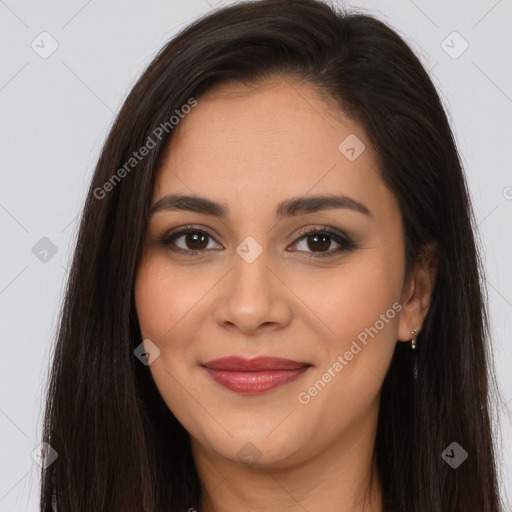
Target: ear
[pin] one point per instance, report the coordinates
(417, 292)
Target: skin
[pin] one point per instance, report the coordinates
(251, 147)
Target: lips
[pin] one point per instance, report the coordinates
(252, 376)
(257, 364)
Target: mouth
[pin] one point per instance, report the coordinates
(254, 376)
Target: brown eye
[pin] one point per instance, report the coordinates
(318, 241)
(188, 241)
(192, 241)
(195, 240)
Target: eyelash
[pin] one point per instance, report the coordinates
(339, 237)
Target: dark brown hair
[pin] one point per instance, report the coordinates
(120, 447)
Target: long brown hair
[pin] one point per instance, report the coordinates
(119, 446)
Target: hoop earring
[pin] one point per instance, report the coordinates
(414, 333)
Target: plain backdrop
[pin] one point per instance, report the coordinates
(65, 70)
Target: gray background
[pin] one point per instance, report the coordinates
(56, 111)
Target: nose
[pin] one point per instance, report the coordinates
(254, 297)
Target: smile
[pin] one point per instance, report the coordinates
(254, 376)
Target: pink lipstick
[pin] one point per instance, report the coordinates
(252, 376)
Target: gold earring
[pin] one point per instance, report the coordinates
(414, 336)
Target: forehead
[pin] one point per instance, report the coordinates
(256, 145)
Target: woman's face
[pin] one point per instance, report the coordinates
(247, 282)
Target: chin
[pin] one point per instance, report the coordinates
(263, 446)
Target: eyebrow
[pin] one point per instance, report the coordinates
(288, 208)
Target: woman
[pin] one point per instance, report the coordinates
(275, 299)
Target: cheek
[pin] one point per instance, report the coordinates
(353, 299)
(361, 309)
(168, 303)
(166, 299)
